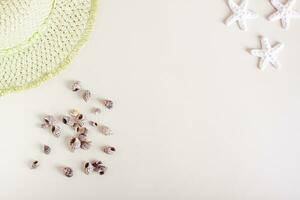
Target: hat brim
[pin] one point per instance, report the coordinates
(25, 67)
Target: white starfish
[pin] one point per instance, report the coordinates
(240, 14)
(284, 12)
(267, 54)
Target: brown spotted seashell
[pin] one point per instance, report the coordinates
(88, 168)
(108, 104)
(68, 171)
(46, 149)
(74, 143)
(109, 149)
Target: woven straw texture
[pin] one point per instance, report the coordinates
(38, 38)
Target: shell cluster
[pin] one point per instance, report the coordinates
(79, 124)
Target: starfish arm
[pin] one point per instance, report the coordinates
(244, 4)
(242, 24)
(265, 43)
(285, 22)
(294, 14)
(290, 4)
(251, 14)
(258, 53)
(233, 6)
(275, 16)
(262, 63)
(230, 20)
(274, 62)
(277, 48)
(277, 4)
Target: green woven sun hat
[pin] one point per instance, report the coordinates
(39, 38)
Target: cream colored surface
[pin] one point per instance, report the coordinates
(194, 118)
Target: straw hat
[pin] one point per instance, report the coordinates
(38, 38)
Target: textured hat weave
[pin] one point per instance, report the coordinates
(38, 38)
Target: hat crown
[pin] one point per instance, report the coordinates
(20, 19)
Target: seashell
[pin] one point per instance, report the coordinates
(108, 103)
(68, 171)
(85, 145)
(78, 127)
(76, 86)
(97, 165)
(79, 117)
(49, 119)
(109, 149)
(82, 137)
(105, 130)
(56, 130)
(74, 112)
(35, 164)
(47, 149)
(67, 120)
(88, 168)
(74, 143)
(86, 95)
(81, 130)
(94, 124)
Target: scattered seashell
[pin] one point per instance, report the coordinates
(49, 119)
(68, 172)
(78, 127)
(74, 112)
(35, 164)
(47, 149)
(88, 168)
(76, 86)
(97, 110)
(109, 149)
(108, 103)
(77, 120)
(67, 120)
(105, 130)
(97, 165)
(79, 117)
(93, 123)
(85, 145)
(86, 95)
(56, 130)
(74, 143)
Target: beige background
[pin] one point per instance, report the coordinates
(193, 119)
